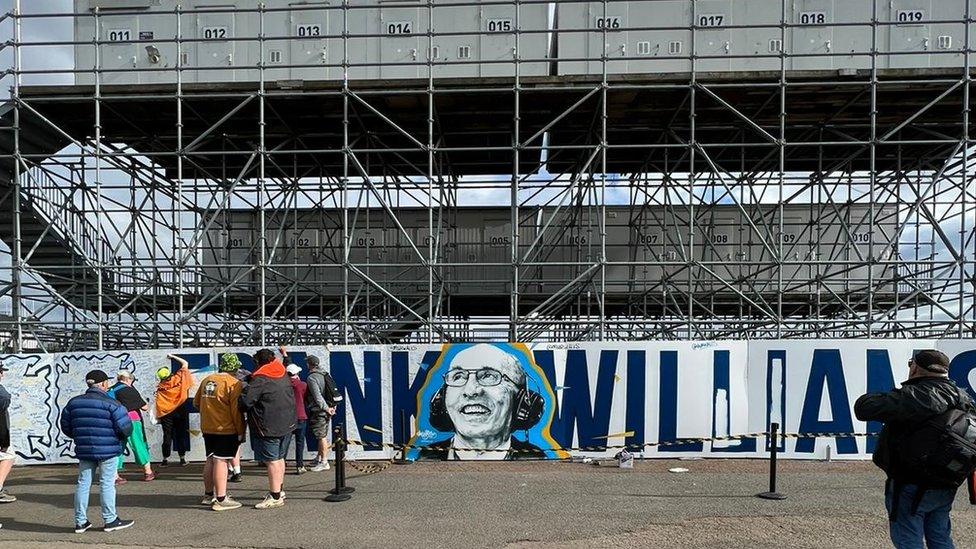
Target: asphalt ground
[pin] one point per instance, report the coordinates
(501, 504)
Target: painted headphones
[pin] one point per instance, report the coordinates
(527, 411)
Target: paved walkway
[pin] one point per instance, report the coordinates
(524, 505)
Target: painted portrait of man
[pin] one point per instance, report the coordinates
(491, 401)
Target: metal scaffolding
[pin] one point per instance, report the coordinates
(603, 205)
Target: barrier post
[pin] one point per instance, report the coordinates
(773, 449)
(405, 429)
(341, 491)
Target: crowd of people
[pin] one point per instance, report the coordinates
(267, 406)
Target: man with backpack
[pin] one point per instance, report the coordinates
(927, 447)
(321, 397)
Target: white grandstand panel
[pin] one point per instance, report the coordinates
(315, 45)
(813, 39)
(947, 39)
(763, 39)
(469, 34)
(820, 35)
(713, 38)
(855, 35)
(217, 54)
(909, 33)
(223, 46)
(402, 48)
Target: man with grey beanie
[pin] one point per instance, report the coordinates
(321, 398)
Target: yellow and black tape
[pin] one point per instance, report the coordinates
(634, 447)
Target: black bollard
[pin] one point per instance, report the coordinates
(341, 491)
(405, 429)
(773, 449)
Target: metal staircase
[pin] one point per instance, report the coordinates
(59, 244)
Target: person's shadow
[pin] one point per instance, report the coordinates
(14, 525)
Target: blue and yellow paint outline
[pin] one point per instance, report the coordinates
(539, 435)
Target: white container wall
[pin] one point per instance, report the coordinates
(668, 36)
(304, 40)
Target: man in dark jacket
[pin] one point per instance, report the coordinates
(321, 399)
(914, 511)
(269, 401)
(99, 426)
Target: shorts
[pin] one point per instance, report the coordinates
(7, 454)
(221, 446)
(270, 448)
(319, 424)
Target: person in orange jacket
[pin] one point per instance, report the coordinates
(171, 395)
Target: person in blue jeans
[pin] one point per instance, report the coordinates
(297, 385)
(929, 521)
(918, 509)
(99, 427)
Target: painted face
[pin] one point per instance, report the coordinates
(481, 385)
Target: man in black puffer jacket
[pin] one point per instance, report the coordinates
(914, 509)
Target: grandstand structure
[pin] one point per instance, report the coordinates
(209, 172)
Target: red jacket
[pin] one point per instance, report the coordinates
(299, 387)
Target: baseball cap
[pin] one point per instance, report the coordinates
(163, 373)
(95, 376)
(293, 369)
(932, 360)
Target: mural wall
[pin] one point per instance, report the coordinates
(517, 401)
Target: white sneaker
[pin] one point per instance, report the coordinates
(319, 467)
(228, 504)
(270, 502)
(208, 500)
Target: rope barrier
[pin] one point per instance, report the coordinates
(637, 447)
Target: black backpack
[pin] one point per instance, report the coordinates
(939, 452)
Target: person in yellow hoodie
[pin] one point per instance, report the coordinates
(222, 424)
(171, 395)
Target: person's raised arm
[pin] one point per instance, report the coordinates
(891, 406)
(181, 361)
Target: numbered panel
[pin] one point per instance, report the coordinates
(910, 34)
(310, 46)
(215, 52)
(744, 35)
(118, 52)
(813, 36)
(713, 39)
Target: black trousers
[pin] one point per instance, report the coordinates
(176, 432)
